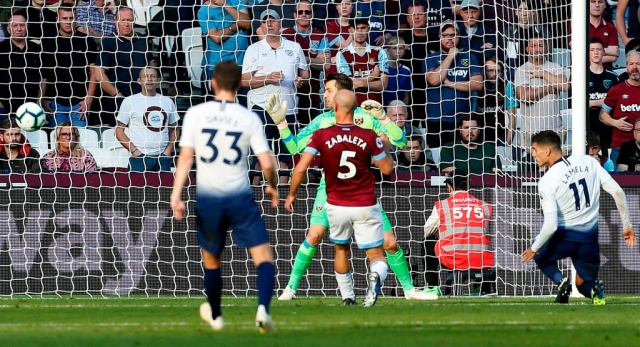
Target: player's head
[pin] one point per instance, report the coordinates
(344, 104)
(226, 77)
(469, 127)
(362, 31)
(10, 133)
(546, 147)
(633, 65)
(457, 180)
(334, 83)
(148, 79)
(596, 50)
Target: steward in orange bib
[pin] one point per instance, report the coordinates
(461, 220)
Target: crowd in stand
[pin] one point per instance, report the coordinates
(465, 77)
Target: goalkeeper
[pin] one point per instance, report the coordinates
(370, 116)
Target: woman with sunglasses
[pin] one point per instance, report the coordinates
(68, 155)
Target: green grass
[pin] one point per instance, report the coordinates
(320, 322)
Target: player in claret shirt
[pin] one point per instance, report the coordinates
(352, 206)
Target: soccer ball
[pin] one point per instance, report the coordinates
(30, 116)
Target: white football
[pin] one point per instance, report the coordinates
(30, 116)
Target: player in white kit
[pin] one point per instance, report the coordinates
(570, 199)
(220, 134)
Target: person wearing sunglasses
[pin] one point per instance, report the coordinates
(68, 155)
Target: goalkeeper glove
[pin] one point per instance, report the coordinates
(277, 111)
(374, 108)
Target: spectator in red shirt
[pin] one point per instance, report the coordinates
(339, 30)
(605, 31)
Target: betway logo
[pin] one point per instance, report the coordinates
(597, 96)
(458, 73)
(630, 108)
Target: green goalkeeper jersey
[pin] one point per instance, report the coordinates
(297, 143)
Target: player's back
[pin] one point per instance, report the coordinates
(575, 182)
(222, 134)
(346, 152)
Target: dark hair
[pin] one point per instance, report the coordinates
(469, 117)
(66, 7)
(458, 180)
(593, 140)
(9, 124)
(21, 13)
(342, 81)
(361, 20)
(596, 40)
(538, 36)
(416, 3)
(548, 138)
(227, 75)
(415, 137)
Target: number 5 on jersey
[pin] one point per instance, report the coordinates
(344, 162)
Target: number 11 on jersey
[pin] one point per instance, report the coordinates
(576, 193)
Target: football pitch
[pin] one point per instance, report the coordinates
(137, 321)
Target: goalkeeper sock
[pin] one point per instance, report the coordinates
(301, 264)
(398, 264)
(266, 279)
(213, 289)
(381, 268)
(345, 283)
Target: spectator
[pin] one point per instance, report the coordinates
(119, 64)
(415, 38)
(517, 35)
(600, 81)
(375, 12)
(274, 65)
(365, 64)
(475, 36)
(629, 158)
(68, 155)
(452, 77)
(605, 31)
(621, 106)
(467, 154)
(40, 21)
(633, 26)
(497, 100)
(339, 31)
(594, 150)
(284, 8)
(21, 76)
(70, 53)
(436, 12)
(400, 85)
(152, 121)
(314, 46)
(397, 112)
(413, 157)
(463, 241)
(16, 154)
(556, 15)
(224, 23)
(633, 45)
(97, 19)
(538, 83)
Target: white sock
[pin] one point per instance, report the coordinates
(381, 268)
(345, 283)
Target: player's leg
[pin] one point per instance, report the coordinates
(250, 232)
(318, 228)
(587, 264)
(378, 270)
(547, 261)
(341, 230)
(210, 311)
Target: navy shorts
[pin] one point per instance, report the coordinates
(215, 216)
(584, 255)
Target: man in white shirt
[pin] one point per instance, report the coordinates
(538, 84)
(274, 65)
(152, 120)
(570, 201)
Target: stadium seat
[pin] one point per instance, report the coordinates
(193, 52)
(620, 71)
(110, 158)
(88, 138)
(621, 62)
(109, 140)
(562, 56)
(567, 124)
(435, 154)
(38, 140)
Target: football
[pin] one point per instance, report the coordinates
(30, 116)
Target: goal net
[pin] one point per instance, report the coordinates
(111, 231)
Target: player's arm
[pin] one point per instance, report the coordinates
(185, 161)
(550, 224)
(383, 158)
(382, 123)
(613, 188)
(432, 224)
(260, 147)
(298, 176)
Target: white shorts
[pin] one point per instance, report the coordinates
(363, 223)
